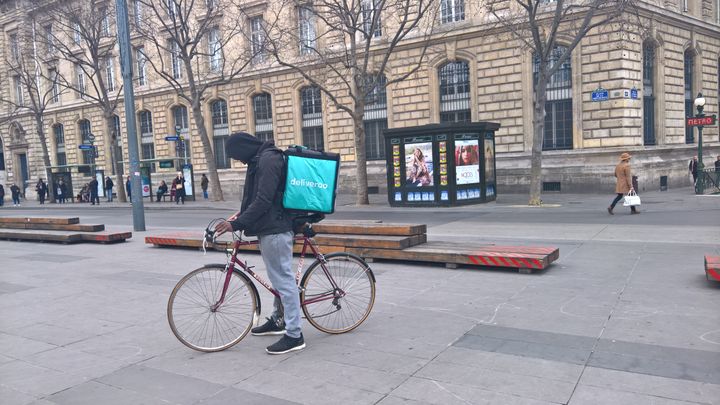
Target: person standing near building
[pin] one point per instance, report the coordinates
(15, 191)
(128, 189)
(717, 171)
(93, 191)
(204, 185)
(179, 186)
(693, 169)
(623, 182)
(108, 188)
(41, 189)
(60, 191)
(2, 195)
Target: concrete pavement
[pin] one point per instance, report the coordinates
(624, 317)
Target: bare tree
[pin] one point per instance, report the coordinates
(82, 33)
(194, 47)
(31, 90)
(343, 48)
(540, 25)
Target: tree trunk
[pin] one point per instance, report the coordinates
(46, 155)
(216, 193)
(361, 196)
(119, 185)
(537, 141)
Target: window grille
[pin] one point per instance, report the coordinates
(118, 144)
(147, 142)
(455, 92)
(452, 10)
(180, 116)
(59, 133)
(85, 132)
(257, 39)
(375, 118)
(262, 108)
(558, 107)
(689, 70)
(312, 129)
(221, 132)
(308, 37)
(648, 94)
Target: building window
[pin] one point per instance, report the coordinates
(455, 92)
(648, 94)
(86, 138)
(452, 10)
(14, 47)
(262, 110)
(105, 23)
(689, 93)
(375, 118)
(17, 85)
(308, 37)
(77, 36)
(141, 66)
(137, 13)
(59, 133)
(182, 128)
(558, 106)
(54, 85)
(221, 132)
(371, 12)
(118, 144)
(147, 140)
(215, 50)
(257, 39)
(110, 73)
(685, 5)
(173, 9)
(312, 126)
(50, 40)
(175, 60)
(79, 81)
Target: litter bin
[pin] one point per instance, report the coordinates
(663, 183)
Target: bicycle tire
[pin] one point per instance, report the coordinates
(194, 323)
(347, 310)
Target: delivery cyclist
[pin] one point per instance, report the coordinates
(262, 215)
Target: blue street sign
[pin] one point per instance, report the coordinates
(633, 93)
(85, 147)
(172, 138)
(600, 95)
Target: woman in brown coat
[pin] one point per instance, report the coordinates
(623, 183)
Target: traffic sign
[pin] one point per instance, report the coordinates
(85, 147)
(91, 137)
(600, 94)
(166, 164)
(700, 121)
(634, 93)
(172, 138)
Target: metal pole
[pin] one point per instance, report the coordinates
(700, 186)
(127, 74)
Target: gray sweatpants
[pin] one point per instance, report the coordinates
(276, 251)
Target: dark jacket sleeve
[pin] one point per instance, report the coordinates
(269, 174)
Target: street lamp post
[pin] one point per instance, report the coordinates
(700, 183)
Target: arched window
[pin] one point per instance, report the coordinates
(2, 155)
(221, 132)
(59, 133)
(558, 106)
(454, 92)
(262, 110)
(86, 138)
(118, 144)
(147, 140)
(689, 92)
(181, 128)
(312, 126)
(648, 93)
(375, 118)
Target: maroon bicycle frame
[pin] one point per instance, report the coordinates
(337, 292)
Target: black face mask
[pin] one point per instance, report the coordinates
(242, 146)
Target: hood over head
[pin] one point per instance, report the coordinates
(242, 146)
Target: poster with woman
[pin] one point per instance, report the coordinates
(418, 164)
(489, 162)
(467, 162)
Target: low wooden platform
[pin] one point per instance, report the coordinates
(39, 220)
(57, 229)
(712, 268)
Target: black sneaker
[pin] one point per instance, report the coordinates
(286, 344)
(271, 327)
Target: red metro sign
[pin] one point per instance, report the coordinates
(700, 121)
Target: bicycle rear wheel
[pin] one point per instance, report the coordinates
(191, 315)
(338, 296)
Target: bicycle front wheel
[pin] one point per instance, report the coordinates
(338, 296)
(195, 316)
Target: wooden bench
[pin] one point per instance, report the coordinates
(712, 268)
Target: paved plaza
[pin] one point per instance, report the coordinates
(625, 316)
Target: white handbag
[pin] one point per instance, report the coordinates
(631, 199)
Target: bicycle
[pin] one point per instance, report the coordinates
(214, 307)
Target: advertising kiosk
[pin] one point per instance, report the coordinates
(441, 164)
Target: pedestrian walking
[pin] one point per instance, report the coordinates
(2, 195)
(15, 191)
(109, 188)
(93, 191)
(623, 182)
(262, 214)
(204, 185)
(41, 189)
(178, 185)
(61, 191)
(693, 168)
(128, 189)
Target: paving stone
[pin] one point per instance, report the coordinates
(35, 380)
(18, 346)
(393, 400)
(6, 288)
(10, 396)
(238, 396)
(585, 395)
(53, 334)
(522, 348)
(76, 362)
(95, 393)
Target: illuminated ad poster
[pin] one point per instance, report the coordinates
(467, 162)
(418, 164)
(489, 162)
(396, 166)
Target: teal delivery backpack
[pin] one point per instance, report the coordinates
(311, 180)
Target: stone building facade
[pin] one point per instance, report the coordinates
(650, 74)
